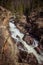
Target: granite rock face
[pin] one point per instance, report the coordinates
(9, 52)
(6, 44)
(8, 48)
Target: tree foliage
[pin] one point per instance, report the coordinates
(21, 5)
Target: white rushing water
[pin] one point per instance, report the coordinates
(18, 36)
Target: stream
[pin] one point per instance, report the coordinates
(18, 36)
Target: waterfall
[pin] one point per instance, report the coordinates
(18, 36)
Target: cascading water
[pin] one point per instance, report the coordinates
(18, 36)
